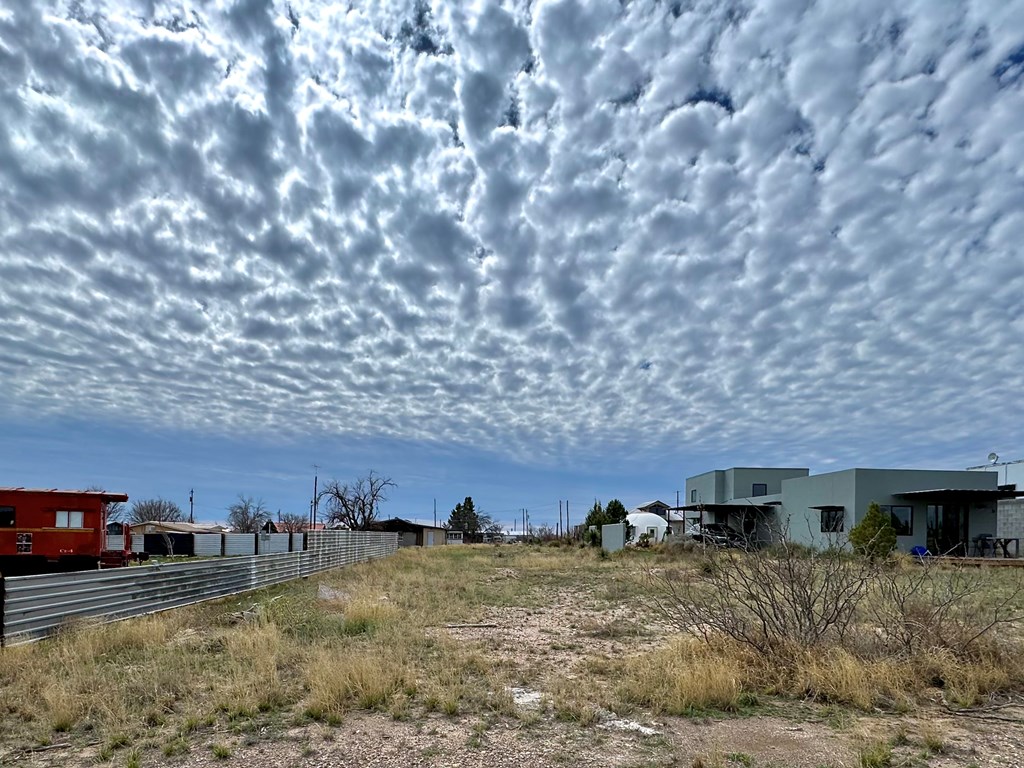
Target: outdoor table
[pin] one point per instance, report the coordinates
(1004, 545)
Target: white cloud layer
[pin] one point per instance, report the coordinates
(784, 225)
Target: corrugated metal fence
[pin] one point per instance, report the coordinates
(36, 606)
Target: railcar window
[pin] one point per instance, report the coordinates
(68, 519)
(6, 517)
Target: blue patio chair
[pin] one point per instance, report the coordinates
(920, 551)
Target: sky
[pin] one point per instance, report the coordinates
(528, 252)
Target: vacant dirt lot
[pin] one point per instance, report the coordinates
(461, 656)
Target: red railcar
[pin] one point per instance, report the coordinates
(50, 530)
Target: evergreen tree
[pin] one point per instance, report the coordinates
(874, 535)
(466, 519)
(615, 511)
(596, 516)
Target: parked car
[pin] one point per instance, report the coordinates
(719, 535)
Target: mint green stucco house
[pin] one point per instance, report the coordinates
(946, 511)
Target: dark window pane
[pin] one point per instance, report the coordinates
(693, 496)
(832, 520)
(902, 519)
(6, 517)
(760, 489)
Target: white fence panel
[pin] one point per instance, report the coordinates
(138, 542)
(207, 544)
(115, 541)
(272, 543)
(239, 544)
(298, 542)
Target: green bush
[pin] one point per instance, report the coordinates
(873, 536)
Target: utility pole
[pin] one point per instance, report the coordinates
(567, 514)
(316, 474)
(559, 517)
(191, 508)
(435, 513)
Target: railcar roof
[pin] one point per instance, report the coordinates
(104, 495)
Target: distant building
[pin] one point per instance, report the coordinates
(656, 507)
(453, 537)
(411, 534)
(1009, 474)
(654, 526)
(272, 526)
(163, 526)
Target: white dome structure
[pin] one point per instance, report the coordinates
(649, 523)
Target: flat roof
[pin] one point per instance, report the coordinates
(408, 523)
(724, 507)
(730, 469)
(106, 496)
(976, 494)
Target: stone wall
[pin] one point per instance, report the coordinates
(1010, 519)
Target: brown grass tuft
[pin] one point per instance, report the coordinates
(366, 679)
(686, 677)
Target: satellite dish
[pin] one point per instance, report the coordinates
(993, 457)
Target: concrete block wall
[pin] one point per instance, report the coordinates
(1010, 519)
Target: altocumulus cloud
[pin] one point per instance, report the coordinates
(522, 224)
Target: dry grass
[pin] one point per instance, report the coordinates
(686, 677)
(368, 679)
(372, 639)
(370, 646)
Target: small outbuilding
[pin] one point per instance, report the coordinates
(411, 534)
(648, 523)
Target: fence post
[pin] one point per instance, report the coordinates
(3, 610)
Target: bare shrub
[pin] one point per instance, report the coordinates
(773, 600)
(925, 607)
(847, 628)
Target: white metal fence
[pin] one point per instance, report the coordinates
(272, 543)
(36, 606)
(206, 544)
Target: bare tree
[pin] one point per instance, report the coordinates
(156, 510)
(116, 510)
(292, 522)
(354, 505)
(247, 515)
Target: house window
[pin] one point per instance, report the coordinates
(693, 496)
(760, 489)
(832, 520)
(6, 517)
(69, 519)
(902, 519)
